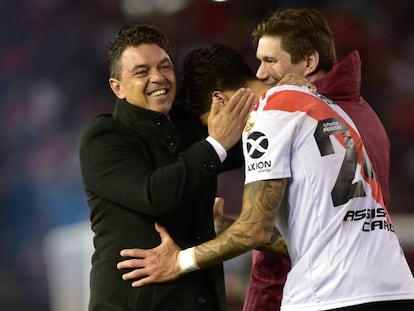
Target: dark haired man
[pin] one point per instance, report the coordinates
(141, 165)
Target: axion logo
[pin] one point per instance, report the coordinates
(256, 144)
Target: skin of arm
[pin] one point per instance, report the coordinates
(223, 221)
(253, 228)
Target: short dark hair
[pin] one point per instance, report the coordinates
(215, 67)
(301, 32)
(134, 35)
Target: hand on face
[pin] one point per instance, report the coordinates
(156, 265)
(226, 123)
(296, 79)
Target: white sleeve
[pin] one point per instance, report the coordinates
(221, 152)
(268, 145)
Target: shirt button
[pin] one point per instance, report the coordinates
(171, 141)
(201, 300)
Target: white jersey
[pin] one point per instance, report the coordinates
(340, 238)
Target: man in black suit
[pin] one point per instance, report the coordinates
(141, 165)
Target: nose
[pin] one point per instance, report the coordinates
(156, 75)
(261, 73)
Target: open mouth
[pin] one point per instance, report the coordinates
(158, 92)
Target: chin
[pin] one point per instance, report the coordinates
(165, 109)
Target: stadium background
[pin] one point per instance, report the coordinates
(53, 79)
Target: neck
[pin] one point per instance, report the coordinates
(258, 87)
(316, 76)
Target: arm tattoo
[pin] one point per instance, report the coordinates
(276, 245)
(254, 226)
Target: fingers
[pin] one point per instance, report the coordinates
(296, 79)
(240, 102)
(219, 201)
(247, 108)
(234, 100)
(218, 207)
(292, 78)
(214, 109)
(240, 105)
(150, 279)
(134, 252)
(130, 263)
(144, 278)
(143, 281)
(137, 262)
(134, 274)
(162, 231)
(151, 265)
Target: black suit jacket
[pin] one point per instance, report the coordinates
(139, 167)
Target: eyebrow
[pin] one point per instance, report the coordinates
(141, 66)
(137, 67)
(166, 60)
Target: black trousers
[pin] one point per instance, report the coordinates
(393, 305)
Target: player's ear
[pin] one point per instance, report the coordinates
(311, 62)
(219, 97)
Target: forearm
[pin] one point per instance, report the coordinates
(253, 228)
(223, 223)
(277, 246)
(236, 240)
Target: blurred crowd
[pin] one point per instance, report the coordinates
(53, 78)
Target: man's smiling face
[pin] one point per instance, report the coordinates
(147, 78)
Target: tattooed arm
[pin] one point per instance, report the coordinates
(222, 221)
(253, 228)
